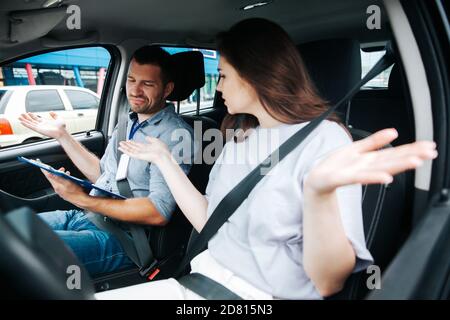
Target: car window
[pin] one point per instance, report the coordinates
(211, 62)
(4, 98)
(368, 60)
(82, 100)
(43, 101)
(63, 81)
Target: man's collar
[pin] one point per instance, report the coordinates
(155, 118)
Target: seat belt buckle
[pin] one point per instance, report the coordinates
(151, 271)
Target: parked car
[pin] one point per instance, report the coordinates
(77, 106)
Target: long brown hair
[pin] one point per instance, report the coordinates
(264, 55)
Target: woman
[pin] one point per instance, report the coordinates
(299, 234)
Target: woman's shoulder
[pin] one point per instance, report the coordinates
(334, 132)
(328, 137)
(327, 133)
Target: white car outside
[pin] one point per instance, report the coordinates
(76, 106)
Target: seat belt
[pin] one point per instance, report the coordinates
(210, 289)
(228, 205)
(137, 247)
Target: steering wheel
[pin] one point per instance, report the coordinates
(36, 264)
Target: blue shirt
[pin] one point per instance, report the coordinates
(144, 178)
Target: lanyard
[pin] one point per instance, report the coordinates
(134, 128)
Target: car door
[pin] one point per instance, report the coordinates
(421, 268)
(23, 185)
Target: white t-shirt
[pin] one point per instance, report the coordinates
(262, 242)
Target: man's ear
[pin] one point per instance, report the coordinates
(168, 89)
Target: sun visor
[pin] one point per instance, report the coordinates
(32, 24)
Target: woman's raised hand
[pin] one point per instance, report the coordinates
(153, 151)
(363, 163)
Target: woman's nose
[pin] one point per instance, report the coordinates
(219, 86)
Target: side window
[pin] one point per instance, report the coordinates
(69, 82)
(82, 100)
(368, 60)
(206, 94)
(43, 101)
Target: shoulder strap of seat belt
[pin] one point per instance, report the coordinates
(109, 224)
(240, 192)
(140, 240)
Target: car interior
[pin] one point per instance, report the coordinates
(400, 219)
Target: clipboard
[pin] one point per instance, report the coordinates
(83, 183)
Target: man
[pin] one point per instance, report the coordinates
(148, 85)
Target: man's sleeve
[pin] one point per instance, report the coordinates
(159, 192)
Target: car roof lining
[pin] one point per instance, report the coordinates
(176, 22)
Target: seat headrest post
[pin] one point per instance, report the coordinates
(347, 113)
(197, 111)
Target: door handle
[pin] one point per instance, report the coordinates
(80, 114)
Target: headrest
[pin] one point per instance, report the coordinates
(395, 81)
(334, 65)
(188, 74)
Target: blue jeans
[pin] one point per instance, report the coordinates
(98, 250)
